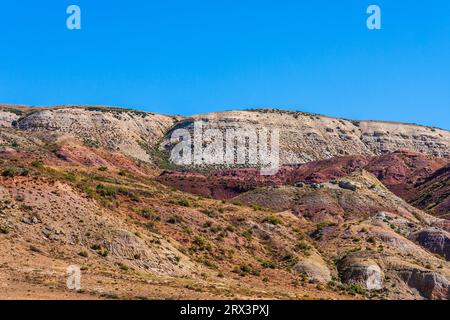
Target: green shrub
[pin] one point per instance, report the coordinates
(245, 269)
(12, 172)
(89, 191)
(183, 203)
(150, 215)
(289, 259)
(70, 176)
(303, 246)
(356, 289)
(105, 192)
(272, 220)
(83, 254)
(248, 234)
(123, 173)
(104, 253)
(207, 224)
(4, 229)
(96, 247)
(103, 168)
(209, 213)
(175, 219)
(371, 240)
(267, 264)
(38, 164)
(324, 224)
(122, 266)
(257, 207)
(215, 229)
(201, 244)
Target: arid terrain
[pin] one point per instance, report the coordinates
(358, 209)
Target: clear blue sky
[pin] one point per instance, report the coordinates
(186, 57)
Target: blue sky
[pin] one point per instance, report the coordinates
(187, 57)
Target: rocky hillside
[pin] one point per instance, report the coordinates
(303, 137)
(433, 194)
(86, 186)
(307, 137)
(134, 133)
(417, 178)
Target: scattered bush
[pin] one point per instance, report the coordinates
(96, 247)
(70, 176)
(371, 240)
(175, 219)
(105, 192)
(38, 164)
(266, 264)
(303, 246)
(201, 244)
(4, 229)
(123, 173)
(257, 207)
(150, 215)
(130, 194)
(13, 172)
(289, 259)
(209, 213)
(245, 269)
(272, 220)
(248, 234)
(103, 168)
(83, 254)
(183, 203)
(207, 224)
(356, 289)
(215, 229)
(324, 224)
(122, 266)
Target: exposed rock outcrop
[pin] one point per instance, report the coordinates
(434, 240)
(429, 284)
(361, 271)
(315, 268)
(134, 133)
(307, 137)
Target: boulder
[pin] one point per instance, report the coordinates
(434, 240)
(348, 185)
(361, 271)
(429, 284)
(315, 268)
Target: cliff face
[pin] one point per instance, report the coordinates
(305, 137)
(7, 118)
